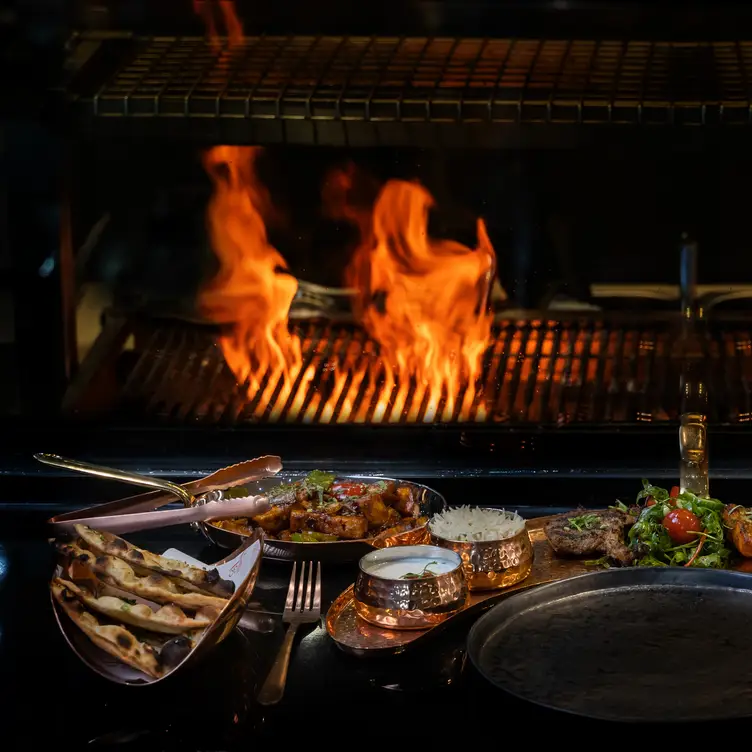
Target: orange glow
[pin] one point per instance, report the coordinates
(421, 301)
(206, 9)
(424, 302)
(252, 290)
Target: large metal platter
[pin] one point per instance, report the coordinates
(431, 502)
(636, 644)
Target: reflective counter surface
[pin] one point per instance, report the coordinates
(48, 695)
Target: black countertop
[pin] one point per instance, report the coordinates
(50, 696)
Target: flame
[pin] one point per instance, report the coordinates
(206, 9)
(421, 301)
(252, 290)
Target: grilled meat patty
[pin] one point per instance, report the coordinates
(587, 533)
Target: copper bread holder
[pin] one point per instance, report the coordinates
(495, 564)
(244, 563)
(242, 566)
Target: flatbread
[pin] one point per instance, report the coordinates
(168, 619)
(116, 572)
(202, 580)
(112, 638)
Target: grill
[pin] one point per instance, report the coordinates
(536, 372)
(364, 90)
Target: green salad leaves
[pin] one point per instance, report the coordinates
(653, 546)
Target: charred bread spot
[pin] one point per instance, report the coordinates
(135, 555)
(101, 561)
(174, 651)
(124, 640)
(175, 573)
(118, 544)
(211, 576)
(226, 587)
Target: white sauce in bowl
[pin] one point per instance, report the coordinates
(395, 563)
(397, 569)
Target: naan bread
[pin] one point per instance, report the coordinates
(112, 638)
(168, 619)
(201, 580)
(116, 572)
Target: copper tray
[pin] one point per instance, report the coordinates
(355, 636)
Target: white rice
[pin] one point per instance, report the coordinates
(474, 524)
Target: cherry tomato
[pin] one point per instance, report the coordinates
(682, 525)
(650, 502)
(675, 492)
(347, 488)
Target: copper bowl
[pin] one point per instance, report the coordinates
(492, 565)
(409, 603)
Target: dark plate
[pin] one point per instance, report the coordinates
(635, 644)
(431, 503)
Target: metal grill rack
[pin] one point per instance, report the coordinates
(539, 373)
(365, 90)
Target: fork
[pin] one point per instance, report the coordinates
(301, 607)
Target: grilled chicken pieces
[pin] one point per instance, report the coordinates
(589, 533)
(321, 508)
(739, 528)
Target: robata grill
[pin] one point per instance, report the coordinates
(246, 221)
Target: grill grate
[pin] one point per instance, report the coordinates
(429, 80)
(536, 372)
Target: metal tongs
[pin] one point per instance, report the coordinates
(212, 505)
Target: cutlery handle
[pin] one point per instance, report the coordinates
(113, 474)
(129, 523)
(274, 686)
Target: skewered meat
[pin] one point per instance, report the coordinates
(589, 533)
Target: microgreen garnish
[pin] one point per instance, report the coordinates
(583, 522)
(425, 572)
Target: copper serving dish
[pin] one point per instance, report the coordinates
(246, 557)
(356, 636)
(409, 604)
(492, 565)
(431, 502)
